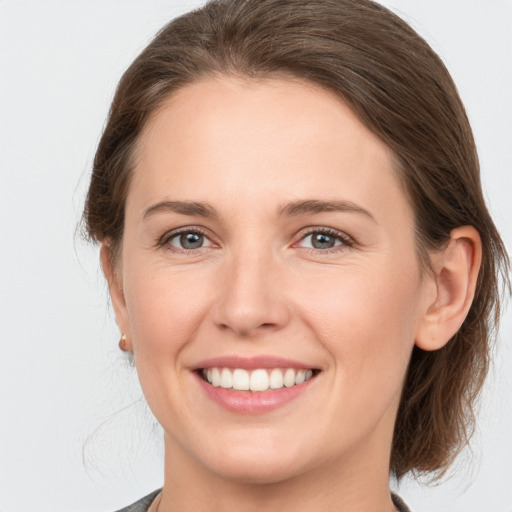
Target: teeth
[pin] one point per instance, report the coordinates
(289, 377)
(256, 380)
(276, 379)
(260, 380)
(226, 378)
(300, 377)
(215, 377)
(240, 379)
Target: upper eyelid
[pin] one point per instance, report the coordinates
(321, 229)
(302, 232)
(330, 231)
(169, 235)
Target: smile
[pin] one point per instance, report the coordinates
(254, 385)
(257, 380)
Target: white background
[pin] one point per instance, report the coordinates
(69, 439)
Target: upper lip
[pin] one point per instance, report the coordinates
(251, 363)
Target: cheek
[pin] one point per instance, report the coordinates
(165, 308)
(366, 318)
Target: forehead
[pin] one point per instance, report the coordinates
(256, 140)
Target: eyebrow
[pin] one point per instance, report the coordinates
(181, 207)
(293, 209)
(297, 208)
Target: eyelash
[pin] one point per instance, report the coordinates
(346, 241)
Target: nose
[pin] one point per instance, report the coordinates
(251, 301)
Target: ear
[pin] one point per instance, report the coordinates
(455, 277)
(114, 280)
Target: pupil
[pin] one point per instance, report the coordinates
(191, 240)
(323, 241)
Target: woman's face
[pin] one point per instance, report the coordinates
(267, 240)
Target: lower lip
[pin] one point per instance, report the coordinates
(253, 402)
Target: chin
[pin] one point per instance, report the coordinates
(264, 471)
(270, 461)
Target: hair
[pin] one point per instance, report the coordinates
(400, 89)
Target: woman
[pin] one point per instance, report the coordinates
(298, 253)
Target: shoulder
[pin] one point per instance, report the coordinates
(142, 505)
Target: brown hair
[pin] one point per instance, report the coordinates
(400, 89)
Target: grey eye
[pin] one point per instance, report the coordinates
(191, 240)
(186, 241)
(322, 241)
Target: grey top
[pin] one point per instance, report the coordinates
(143, 504)
(399, 503)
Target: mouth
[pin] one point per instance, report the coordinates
(256, 380)
(254, 385)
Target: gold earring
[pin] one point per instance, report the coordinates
(122, 343)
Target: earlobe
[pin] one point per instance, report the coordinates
(116, 293)
(455, 276)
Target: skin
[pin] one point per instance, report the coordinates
(258, 286)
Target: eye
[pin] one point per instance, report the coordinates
(324, 240)
(186, 240)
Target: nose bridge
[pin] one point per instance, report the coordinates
(251, 299)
